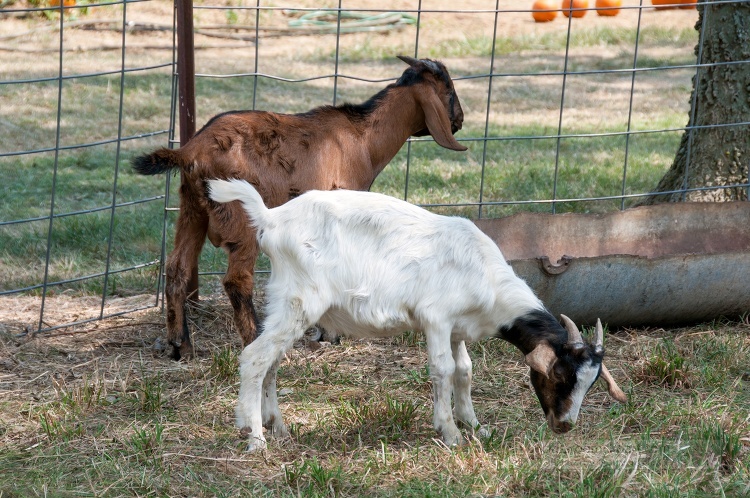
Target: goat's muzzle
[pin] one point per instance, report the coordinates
(557, 426)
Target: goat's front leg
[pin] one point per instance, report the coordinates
(271, 414)
(464, 408)
(190, 234)
(238, 284)
(442, 368)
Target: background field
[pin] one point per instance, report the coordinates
(99, 410)
(521, 146)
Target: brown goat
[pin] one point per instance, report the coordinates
(284, 155)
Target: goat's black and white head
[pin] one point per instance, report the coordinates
(441, 105)
(562, 373)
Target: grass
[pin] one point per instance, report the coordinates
(122, 422)
(515, 169)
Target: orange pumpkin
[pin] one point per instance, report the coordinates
(687, 4)
(539, 8)
(608, 7)
(660, 4)
(66, 3)
(574, 4)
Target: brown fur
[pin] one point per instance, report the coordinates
(283, 156)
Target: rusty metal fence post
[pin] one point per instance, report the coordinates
(186, 86)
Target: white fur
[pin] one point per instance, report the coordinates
(366, 265)
(586, 375)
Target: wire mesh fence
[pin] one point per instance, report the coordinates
(581, 114)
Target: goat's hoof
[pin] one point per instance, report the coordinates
(452, 440)
(182, 351)
(280, 431)
(482, 432)
(255, 444)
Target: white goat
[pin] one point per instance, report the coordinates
(369, 265)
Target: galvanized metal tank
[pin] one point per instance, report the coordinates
(668, 264)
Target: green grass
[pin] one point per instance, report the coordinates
(516, 169)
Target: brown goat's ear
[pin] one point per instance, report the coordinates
(614, 389)
(541, 359)
(437, 121)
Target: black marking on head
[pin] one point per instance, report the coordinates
(530, 329)
(554, 393)
(414, 75)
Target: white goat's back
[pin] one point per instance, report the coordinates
(368, 264)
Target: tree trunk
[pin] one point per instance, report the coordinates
(719, 155)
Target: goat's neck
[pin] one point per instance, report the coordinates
(398, 117)
(527, 331)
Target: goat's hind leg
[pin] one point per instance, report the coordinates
(238, 284)
(442, 368)
(271, 414)
(258, 362)
(190, 234)
(464, 408)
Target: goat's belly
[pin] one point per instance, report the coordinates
(342, 323)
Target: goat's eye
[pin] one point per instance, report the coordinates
(559, 371)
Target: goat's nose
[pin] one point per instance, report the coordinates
(557, 426)
(562, 427)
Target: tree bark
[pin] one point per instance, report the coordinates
(715, 155)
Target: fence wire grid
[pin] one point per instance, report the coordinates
(579, 114)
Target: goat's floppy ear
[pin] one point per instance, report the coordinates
(541, 359)
(614, 389)
(438, 123)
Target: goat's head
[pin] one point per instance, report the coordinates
(562, 378)
(439, 101)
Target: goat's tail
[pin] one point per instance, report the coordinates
(157, 162)
(240, 190)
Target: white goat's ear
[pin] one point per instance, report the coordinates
(614, 389)
(541, 359)
(437, 121)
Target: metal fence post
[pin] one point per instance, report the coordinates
(186, 85)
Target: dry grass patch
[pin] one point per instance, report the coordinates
(101, 410)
